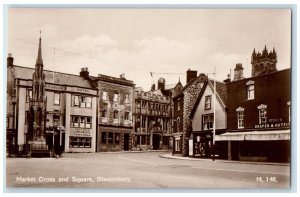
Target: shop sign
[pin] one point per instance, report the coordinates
(272, 125)
(81, 90)
(54, 87)
(81, 132)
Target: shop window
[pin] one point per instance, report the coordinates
(240, 117)
(262, 114)
(117, 138)
(110, 137)
(207, 121)
(80, 142)
(56, 99)
(28, 95)
(208, 102)
(103, 137)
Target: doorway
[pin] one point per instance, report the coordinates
(156, 141)
(126, 141)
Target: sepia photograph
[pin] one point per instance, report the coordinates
(148, 97)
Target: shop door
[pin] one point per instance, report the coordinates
(126, 141)
(156, 141)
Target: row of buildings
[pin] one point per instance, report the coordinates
(84, 113)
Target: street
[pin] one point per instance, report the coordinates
(140, 170)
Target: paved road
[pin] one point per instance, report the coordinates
(139, 170)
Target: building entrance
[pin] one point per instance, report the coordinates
(126, 141)
(156, 141)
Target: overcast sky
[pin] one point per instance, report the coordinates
(139, 41)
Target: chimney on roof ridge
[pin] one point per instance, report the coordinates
(238, 72)
(84, 72)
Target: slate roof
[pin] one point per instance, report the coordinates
(59, 78)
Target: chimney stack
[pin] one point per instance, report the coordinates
(238, 72)
(10, 60)
(161, 84)
(84, 72)
(190, 74)
(153, 87)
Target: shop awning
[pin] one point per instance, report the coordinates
(254, 136)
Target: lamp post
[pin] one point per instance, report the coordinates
(214, 123)
(214, 127)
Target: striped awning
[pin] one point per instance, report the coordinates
(254, 136)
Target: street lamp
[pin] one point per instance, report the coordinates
(214, 123)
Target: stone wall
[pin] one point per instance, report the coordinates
(190, 96)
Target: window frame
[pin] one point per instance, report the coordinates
(81, 142)
(209, 123)
(207, 98)
(250, 90)
(55, 98)
(262, 114)
(240, 117)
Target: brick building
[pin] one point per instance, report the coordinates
(258, 115)
(184, 102)
(115, 121)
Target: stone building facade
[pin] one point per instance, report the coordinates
(184, 102)
(153, 116)
(115, 106)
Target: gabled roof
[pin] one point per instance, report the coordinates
(221, 94)
(59, 78)
(180, 93)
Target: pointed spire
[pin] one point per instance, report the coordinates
(39, 59)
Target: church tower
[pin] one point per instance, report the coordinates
(37, 104)
(264, 62)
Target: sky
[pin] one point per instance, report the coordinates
(139, 41)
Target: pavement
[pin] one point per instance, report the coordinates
(170, 156)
